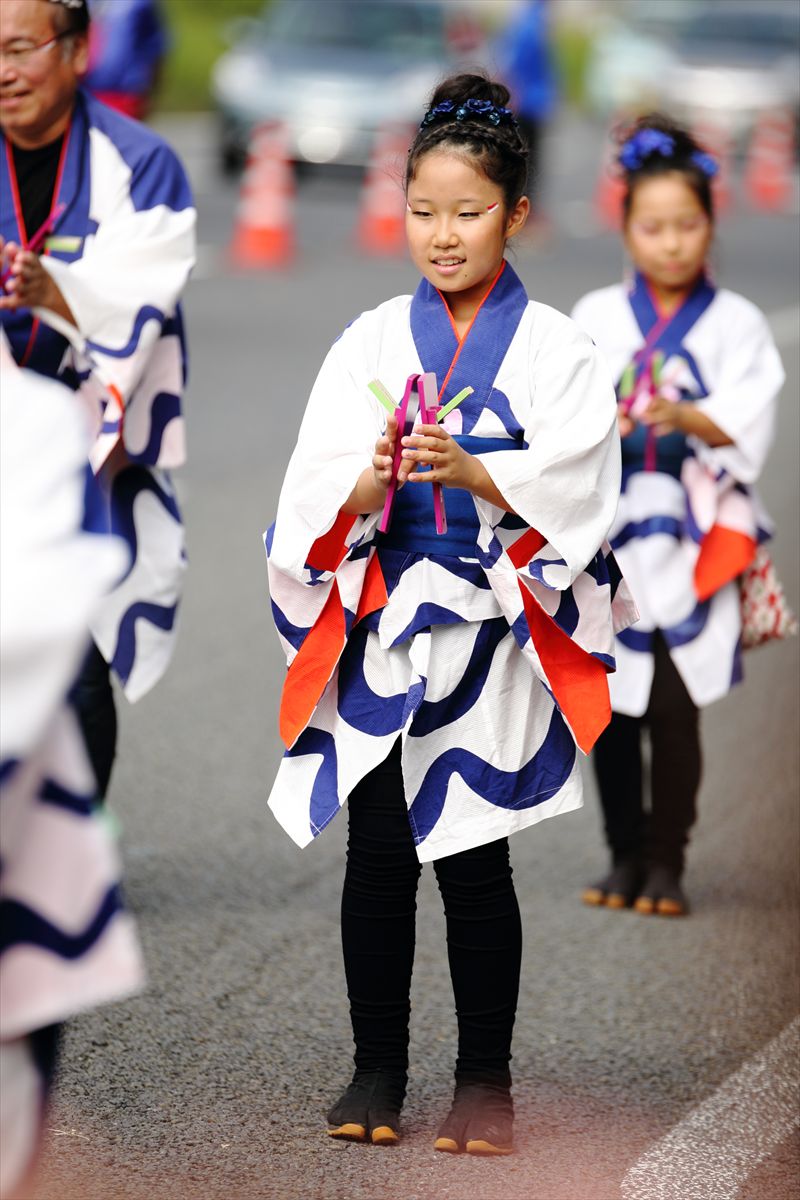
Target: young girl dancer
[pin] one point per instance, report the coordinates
(439, 682)
(697, 378)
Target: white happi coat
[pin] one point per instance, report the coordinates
(688, 523)
(487, 649)
(67, 944)
(120, 250)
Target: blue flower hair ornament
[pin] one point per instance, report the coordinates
(643, 145)
(448, 110)
(708, 165)
(647, 142)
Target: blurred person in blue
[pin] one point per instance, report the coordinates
(97, 239)
(127, 46)
(698, 376)
(525, 63)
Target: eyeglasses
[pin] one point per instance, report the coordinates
(21, 52)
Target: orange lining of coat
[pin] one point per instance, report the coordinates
(577, 679)
(524, 548)
(724, 554)
(373, 593)
(329, 550)
(311, 669)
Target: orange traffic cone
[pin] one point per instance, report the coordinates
(768, 180)
(263, 234)
(610, 186)
(716, 141)
(382, 220)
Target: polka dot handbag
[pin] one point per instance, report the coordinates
(765, 613)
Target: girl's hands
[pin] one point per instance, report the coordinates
(428, 445)
(383, 457)
(449, 463)
(663, 416)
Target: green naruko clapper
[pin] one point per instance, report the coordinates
(451, 404)
(657, 366)
(626, 382)
(381, 394)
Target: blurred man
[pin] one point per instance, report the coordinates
(97, 239)
(126, 49)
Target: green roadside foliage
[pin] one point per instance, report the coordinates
(572, 47)
(197, 34)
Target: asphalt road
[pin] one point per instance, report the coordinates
(213, 1083)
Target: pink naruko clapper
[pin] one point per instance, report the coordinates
(420, 397)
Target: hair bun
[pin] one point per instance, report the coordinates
(655, 145)
(467, 114)
(460, 88)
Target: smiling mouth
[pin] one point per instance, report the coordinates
(448, 262)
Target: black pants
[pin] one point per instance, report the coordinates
(484, 935)
(659, 836)
(93, 701)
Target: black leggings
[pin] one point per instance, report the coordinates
(660, 835)
(484, 935)
(93, 700)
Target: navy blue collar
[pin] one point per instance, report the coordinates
(667, 334)
(484, 346)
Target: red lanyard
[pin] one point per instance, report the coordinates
(20, 218)
(462, 340)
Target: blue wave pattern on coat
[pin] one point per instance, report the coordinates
(324, 799)
(22, 925)
(537, 780)
(132, 344)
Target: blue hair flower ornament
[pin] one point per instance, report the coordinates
(471, 108)
(708, 165)
(643, 145)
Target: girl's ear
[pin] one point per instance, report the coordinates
(518, 216)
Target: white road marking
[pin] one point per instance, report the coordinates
(710, 1154)
(785, 325)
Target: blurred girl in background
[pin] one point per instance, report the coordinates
(697, 377)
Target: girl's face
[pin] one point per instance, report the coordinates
(457, 227)
(668, 234)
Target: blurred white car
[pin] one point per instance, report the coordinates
(735, 61)
(631, 54)
(722, 61)
(335, 71)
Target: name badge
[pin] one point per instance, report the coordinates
(59, 244)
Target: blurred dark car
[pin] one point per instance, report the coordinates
(735, 61)
(335, 71)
